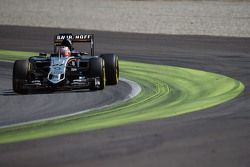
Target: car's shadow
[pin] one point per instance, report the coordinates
(10, 92)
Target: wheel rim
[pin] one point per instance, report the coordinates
(104, 73)
(117, 71)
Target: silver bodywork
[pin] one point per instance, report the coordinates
(57, 73)
(58, 69)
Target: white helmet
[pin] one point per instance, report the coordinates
(65, 51)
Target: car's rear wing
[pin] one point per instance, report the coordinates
(58, 39)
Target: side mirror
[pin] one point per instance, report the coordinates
(43, 54)
(54, 55)
(84, 53)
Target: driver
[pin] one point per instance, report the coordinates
(68, 43)
(65, 51)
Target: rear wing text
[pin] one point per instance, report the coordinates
(58, 39)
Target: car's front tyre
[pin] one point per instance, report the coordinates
(20, 74)
(112, 68)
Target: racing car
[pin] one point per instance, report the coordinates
(66, 68)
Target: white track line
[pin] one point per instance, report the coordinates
(136, 89)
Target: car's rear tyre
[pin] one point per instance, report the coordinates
(112, 68)
(20, 74)
(97, 70)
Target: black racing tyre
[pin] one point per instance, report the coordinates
(112, 68)
(97, 70)
(20, 74)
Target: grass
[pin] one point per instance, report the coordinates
(14, 55)
(166, 91)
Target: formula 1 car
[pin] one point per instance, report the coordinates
(77, 71)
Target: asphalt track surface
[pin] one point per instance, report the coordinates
(218, 136)
(42, 104)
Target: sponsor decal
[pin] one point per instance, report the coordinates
(62, 37)
(76, 37)
(83, 37)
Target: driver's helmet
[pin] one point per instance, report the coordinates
(65, 51)
(67, 42)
